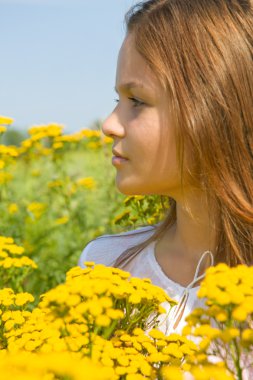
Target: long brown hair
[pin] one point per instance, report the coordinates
(202, 53)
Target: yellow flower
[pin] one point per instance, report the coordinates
(121, 371)
(93, 145)
(36, 208)
(121, 217)
(103, 320)
(9, 150)
(23, 298)
(173, 349)
(106, 302)
(62, 220)
(229, 334)
(207, 331)
(107, 362)
(9, 325)
(207, 372)
(7, 315)
(46, 151)
(7, 244)
(156, 334)
(24, 261)
(107, 140)
(115, 314)
(145, 369)
(172, 373)
(247, 335)
(239, 314)
(2, 129)
(5, 177)
(87, 182)
(12, 208)
(55, 183)
(41, 131)
(123, 361)
(57, 145)
(4, 120)
(90, 133)
(135, 298)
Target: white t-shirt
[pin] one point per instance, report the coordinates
(107, 248)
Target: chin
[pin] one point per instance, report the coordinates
(130, 188)
(126, 187)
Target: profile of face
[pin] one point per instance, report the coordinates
(141, 129)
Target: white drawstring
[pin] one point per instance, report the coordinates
(173, 320)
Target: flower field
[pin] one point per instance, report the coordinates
(61, 322)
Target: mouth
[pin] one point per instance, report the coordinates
(118, 159)
(118, 155)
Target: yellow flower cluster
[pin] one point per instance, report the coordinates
(4, 120)
(8, 249)
(24, 261)
(226, 323)
(87, 182)
(55, 183)
(13, 208)
(11, 316)
(54, 132)
(29, 366)
(7, 245)
(105, 314)
(99, 294)
(229, 286)
(3, 129)
(41, 131)
(12, 261)
(62, 220)
(9, 298)
(5, 177)
(36, 209)
(199, 372)
(8, 155)
(140, 355)
(8, 151)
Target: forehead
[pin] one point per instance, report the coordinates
(132, 69)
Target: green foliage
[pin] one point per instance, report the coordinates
(13, 137)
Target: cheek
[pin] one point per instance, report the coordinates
(153, 165)
(162, 157)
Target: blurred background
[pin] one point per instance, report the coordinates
(58, 61)
(57, 185)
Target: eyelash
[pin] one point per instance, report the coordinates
(136, 102)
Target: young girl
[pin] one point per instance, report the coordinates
(183, 128)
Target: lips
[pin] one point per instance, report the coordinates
(118, 154)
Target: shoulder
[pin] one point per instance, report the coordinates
(106, 248)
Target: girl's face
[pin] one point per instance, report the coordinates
(141, 129)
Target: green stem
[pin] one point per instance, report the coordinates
(107, 334)
(236, 360)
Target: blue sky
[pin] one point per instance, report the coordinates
(58, 60)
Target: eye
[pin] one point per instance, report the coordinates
(136, 102)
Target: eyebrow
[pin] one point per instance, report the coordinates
(128, 86)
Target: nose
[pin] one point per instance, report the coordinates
(112, 127)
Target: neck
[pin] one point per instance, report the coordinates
(194, 231)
